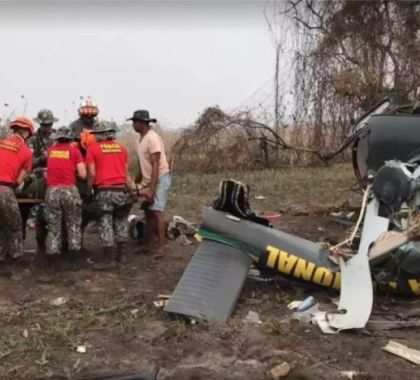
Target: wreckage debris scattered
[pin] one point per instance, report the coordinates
(162, 300)
(306, 304)
(253, 317)
(179, 226)
(59, 301)
(280, 371)
(403, 351)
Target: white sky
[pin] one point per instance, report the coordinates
(173, 58)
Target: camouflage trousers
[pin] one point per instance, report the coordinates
(11, 236)
(113, 224)
(63, 207)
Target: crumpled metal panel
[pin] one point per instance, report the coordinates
(211, 284)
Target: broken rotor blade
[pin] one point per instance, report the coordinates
(356, 297)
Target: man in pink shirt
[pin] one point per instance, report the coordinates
(155, 178)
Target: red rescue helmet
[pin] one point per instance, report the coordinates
(23, 122)
(88, 108)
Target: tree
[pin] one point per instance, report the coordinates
(354, 53)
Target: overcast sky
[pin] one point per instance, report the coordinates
(171, 57)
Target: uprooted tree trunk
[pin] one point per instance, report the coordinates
(259, 131)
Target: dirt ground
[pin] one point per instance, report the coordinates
(111, 313)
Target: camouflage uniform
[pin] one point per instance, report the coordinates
(39, 143)
(113, 224)
(35, 182)
(11, 236)
(77, 127)
(63, 204)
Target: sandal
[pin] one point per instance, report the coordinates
(157, 255)
(143, 251)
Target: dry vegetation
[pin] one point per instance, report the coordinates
(284, 188)
(219, 141)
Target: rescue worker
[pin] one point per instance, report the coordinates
(38, 143)
(63, 204)
(42, 138)
(16, 162)
(82, 129)
(83, 126)
(107, 167)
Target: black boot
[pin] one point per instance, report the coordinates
(121, 252)
(108, 254)
(72, 255)
(52, 263)
(108, 259)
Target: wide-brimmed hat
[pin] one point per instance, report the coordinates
(45, 116)
(142, 115)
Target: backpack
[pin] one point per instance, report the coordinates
(233, 197)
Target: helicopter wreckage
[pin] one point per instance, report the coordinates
(385, 145)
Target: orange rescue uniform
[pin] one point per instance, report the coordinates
(62, 161)
(14, 156)
(110, 159)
